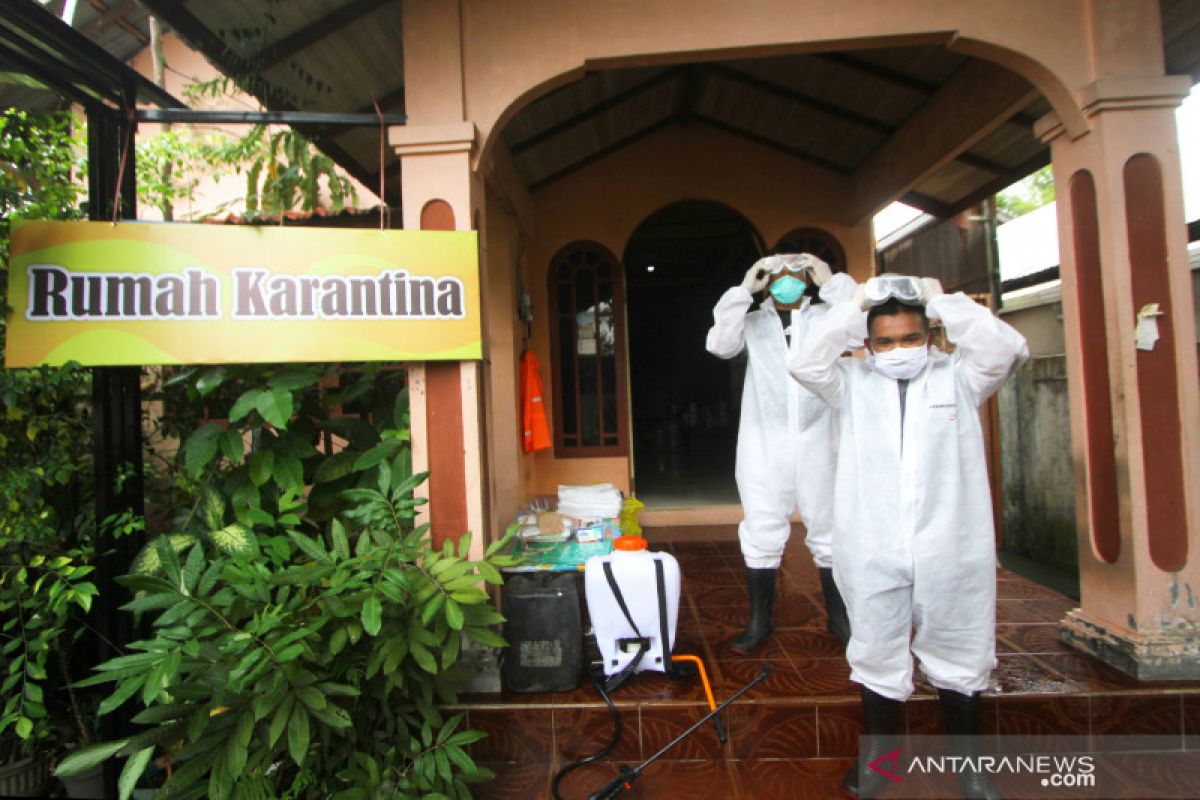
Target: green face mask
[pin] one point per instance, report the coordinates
(788, 290)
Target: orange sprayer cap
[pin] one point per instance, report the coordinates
(629, 543)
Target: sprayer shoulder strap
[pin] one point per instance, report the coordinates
(616, 680)
(664, 629)
(616, 590)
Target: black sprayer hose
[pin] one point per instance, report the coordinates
(597, 682)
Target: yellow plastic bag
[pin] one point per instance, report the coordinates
(629, 516)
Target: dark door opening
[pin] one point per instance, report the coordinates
(684, 402)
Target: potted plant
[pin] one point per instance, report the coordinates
(303, 630)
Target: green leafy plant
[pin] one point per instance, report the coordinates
(288, 173)
(304, 631)
(283, 171)
(172, 163)
(47, 542)
(1028, 194)
(46, 546)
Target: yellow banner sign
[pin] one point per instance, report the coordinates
(146, 293)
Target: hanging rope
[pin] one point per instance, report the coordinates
(382, 155)
(130, 122)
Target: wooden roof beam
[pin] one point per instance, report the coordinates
(837, 112)
(801, 98)
(111, 16)
(971, 104)
(885, 74)
(999, 184)
(595, 110)
(930, 205)
(315, 31)
(801, 155)
(901, 79)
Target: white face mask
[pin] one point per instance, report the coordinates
(901, 363)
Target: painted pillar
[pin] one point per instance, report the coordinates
(439, 191)
(1134, 409)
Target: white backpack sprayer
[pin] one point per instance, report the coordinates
(633, 601)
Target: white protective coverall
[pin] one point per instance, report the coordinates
(913, 539)
(785, 451)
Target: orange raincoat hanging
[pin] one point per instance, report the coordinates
(533, 410)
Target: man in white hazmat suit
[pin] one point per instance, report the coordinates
(785, 450)
(913, 541)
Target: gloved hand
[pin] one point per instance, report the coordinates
(930, 288)
(757, 277)
(860, 297)
(819, 270)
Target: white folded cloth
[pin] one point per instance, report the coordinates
(594, 501)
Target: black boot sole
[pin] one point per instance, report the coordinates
(751, 647)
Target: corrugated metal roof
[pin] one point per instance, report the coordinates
(46, 64)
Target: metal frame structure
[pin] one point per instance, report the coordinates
(65, 61)
(43, 47)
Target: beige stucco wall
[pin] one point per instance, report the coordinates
(606, 201)
(503, 343)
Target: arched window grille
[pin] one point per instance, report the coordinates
(588, 352)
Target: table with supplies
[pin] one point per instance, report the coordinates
(552, 539)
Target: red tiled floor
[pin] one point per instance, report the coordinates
(923, 716)
(759, 731)
(1044, 716)
(685, 780)
(810, 779)
(1191, 721)
(514, 781)
(794, 735)
(838, 728)
(1136, 715)
(1029, 637)
(1022, 673)
(666, 724)
(519, 735)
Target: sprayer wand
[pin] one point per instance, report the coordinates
(627, 776)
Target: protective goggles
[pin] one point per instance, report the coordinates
(904, 288)
(792, 262)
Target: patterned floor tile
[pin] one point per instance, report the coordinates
(838, 728)
(687, 780)
(794, 735)
(514, 781)
(1029, 637)
(759, 731)
(1029, 674)
(662, 725)
(1137, 715)
(581, 732)
(1044, 716)
(519, 735)
(806, 779)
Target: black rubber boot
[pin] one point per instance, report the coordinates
(836, 620)
(760, 586)
(879, 714)
(960, 713)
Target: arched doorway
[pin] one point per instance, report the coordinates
(684, 403)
